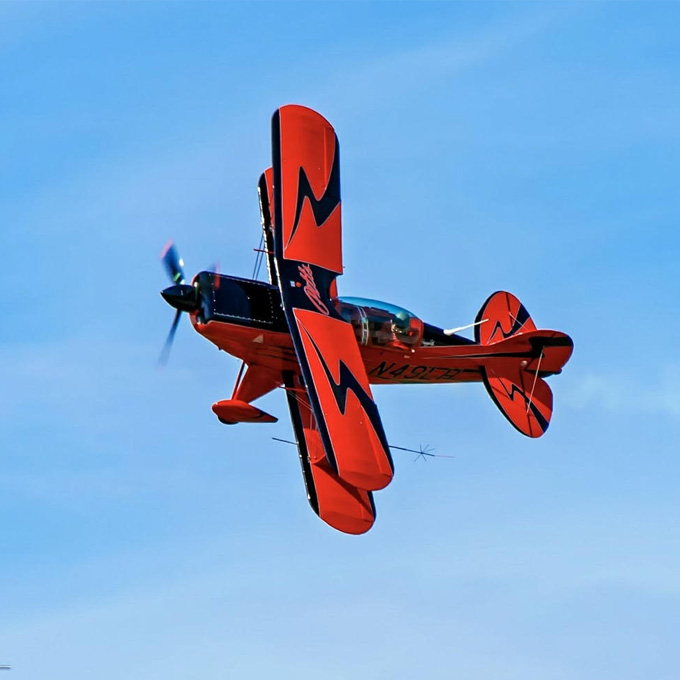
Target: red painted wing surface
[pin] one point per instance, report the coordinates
(309, 183)
(339, 383)
(336, 502)
(307, 229)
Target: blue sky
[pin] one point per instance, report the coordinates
(525, 146)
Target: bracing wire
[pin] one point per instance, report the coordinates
(258, 258)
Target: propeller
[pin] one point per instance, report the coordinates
(165, 352)
(182, 297)
(173, 263)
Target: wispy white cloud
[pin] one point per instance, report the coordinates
(620, 394)
(406, 72)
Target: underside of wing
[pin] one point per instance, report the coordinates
(307, 227)
(336, 502)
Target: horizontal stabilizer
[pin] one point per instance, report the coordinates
(501, 317)
(523, 398)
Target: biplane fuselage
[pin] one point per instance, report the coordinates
(245, 318)
(297, 333)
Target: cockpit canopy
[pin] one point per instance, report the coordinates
(380, 324)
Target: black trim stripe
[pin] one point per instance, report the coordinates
(267, 227)
(303, 453)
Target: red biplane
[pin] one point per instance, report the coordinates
(326, 351)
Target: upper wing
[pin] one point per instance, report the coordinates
(307, 182)
(307, 230)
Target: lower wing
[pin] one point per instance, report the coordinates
(336, 502)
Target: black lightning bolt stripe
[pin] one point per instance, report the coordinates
(323, 207)
(518, 322)
(540, 418)
(348, 382)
